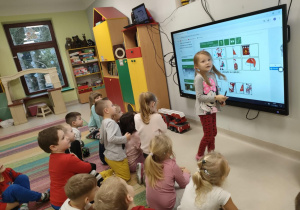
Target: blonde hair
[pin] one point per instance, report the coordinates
(145, 99)
(118, 109)
(212, 170)
(100, 106)
(160, 149)
(80, 185)
(92, 97)
(196, 61)
(111, 195)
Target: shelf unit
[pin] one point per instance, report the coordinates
(145, 63)
(86, 72)
(108, 25)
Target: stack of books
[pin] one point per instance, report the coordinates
(80, 70)
(85, 56)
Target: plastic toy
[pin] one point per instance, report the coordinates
(175, 120)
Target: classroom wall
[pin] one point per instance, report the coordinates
(65, 24)
(280, 130)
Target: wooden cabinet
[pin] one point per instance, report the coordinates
(125, 81)
(138, 78)
(108, 24)
(113, 91)
(86, 72)
(146, 65)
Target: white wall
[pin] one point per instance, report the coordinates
(280, 130)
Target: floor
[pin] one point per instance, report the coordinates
(259, 178)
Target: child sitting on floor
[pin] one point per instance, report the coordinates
(75, 145)
(133, 147)
(161, 173)
(204, 191)
(115, 193)
(75, 121)
(15, 190)
(95, 120)
(61, 166)
(148, 122)
(81, 190)
(112, 138)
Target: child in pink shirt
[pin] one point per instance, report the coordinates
(161, 173)
(133, 147)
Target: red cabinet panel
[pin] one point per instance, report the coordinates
(134, 53)
(113, 91)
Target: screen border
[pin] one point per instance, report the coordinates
(141, 5)
(242, 103)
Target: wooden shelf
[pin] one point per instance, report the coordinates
(114, 77)
(90, 78)
(88, 74)
(92, 87)
(85, 63)
(80, 48)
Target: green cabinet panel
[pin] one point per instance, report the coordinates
(125, 81)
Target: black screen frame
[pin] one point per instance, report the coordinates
(144, 8)
(247, 103)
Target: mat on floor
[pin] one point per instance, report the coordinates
(23, 154)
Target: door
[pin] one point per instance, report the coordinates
(103, 42)
(113, 91)
(125, 81)
(138, 79)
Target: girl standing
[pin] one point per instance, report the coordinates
(161, 173)
(148, 122)
(208, 100)
(205, 192)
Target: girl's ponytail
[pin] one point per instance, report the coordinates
(161, 148)
(145, 99)
(217, 72)
(202, 185)
(212, 170)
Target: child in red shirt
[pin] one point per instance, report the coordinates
(15, 190)
(62, 166)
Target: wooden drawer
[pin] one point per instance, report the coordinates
(84, 97)
(134, 53)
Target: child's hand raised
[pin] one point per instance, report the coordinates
(128, 136)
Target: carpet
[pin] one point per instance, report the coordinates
(23, 154)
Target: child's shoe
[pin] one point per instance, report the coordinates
(139, 172)
(45, 196)
(85, 152)
(24, 206)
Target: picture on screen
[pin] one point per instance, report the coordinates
(250, 49)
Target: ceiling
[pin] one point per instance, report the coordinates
(23, 7)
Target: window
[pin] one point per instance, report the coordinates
(33, 45)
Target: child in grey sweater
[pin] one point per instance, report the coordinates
(110, 135)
